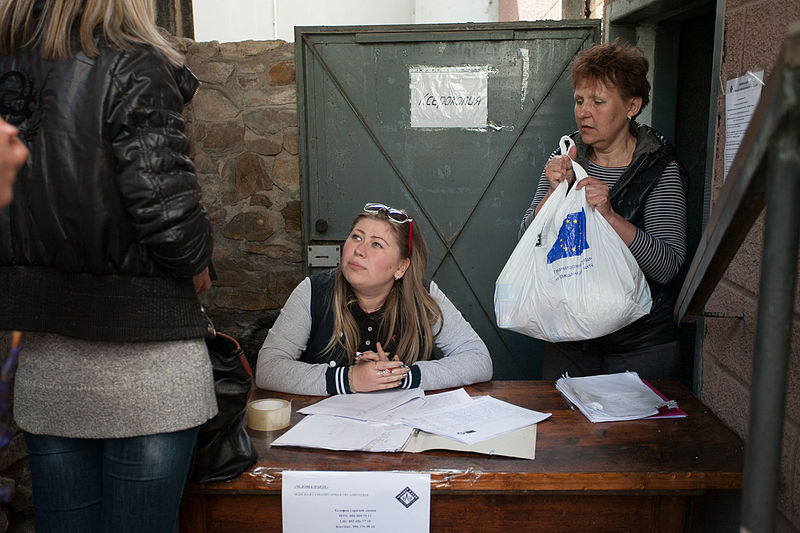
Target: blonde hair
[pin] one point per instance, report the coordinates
(409, 307)
(50, 30)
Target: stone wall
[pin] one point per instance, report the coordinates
(753, 34)
(243, 127)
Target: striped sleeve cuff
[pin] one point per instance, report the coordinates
(638, 244)
(412, 379)
(336, 380)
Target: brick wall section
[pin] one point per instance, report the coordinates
(754, 31)
(242, 125)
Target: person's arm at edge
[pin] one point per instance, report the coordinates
(161, 195)
(660, 249)
(12, 156)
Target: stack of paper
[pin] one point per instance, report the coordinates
(410, 421)
(613, 397)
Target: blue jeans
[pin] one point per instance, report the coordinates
(109, 485)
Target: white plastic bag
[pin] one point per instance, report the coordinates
(570, 277)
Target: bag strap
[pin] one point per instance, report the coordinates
(242, 356)
(565, 144)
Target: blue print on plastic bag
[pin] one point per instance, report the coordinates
(571, 239)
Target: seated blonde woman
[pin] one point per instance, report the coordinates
(372, 323)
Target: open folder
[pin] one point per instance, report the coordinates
(337, 433)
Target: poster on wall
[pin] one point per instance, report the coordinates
(741, 98)
(448, 97)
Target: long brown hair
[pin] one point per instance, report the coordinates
(49, 27)
(408, 305)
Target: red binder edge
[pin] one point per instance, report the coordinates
(676, 412)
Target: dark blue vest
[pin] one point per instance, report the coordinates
(322, 322)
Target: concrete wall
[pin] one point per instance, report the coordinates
(753, 32)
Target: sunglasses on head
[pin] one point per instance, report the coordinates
(395, 215)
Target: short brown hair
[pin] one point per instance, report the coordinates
(618, 64)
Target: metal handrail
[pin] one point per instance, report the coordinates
(765, 171)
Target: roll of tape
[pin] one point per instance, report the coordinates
(268, 414)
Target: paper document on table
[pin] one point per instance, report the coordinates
(520, 443)
(345, 434)
(362, 406)
(482, 419)
(427, 403)
(613, 397)
(337, 433)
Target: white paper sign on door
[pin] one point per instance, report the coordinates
(322, 502)
(449, 97)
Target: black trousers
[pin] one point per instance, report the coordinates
(660, 361)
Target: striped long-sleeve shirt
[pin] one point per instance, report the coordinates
(660, 247)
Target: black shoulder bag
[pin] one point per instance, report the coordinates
(224, 449)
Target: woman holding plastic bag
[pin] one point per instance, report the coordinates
(638, 185)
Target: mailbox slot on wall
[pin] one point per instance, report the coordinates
(324, 255)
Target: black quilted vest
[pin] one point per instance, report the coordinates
(628, 198)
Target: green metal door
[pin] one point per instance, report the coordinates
(453, 123)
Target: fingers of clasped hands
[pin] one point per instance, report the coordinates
(377, 371)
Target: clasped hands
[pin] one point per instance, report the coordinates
(376, 371)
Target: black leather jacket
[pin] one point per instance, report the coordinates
(106, 228)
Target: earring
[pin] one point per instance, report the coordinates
(396, 276)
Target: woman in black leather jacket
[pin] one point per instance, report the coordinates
(102, 253)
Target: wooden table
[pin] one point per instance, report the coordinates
(644, 475)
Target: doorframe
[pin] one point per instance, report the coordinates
(639, 22)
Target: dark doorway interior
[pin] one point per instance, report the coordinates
(695, 64)
(682, 65)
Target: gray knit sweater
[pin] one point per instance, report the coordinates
(70, 387)
(465, 358)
